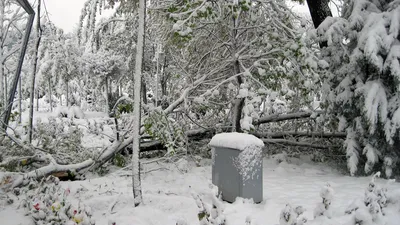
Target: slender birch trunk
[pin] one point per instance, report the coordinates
(137, 188)
(33, 76)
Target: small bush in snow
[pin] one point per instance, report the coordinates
(372, 209)
(323, 208)
(70, 112)
(210, 214)
(292, 216)
(48, 203)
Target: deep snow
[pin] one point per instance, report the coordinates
(167, 195)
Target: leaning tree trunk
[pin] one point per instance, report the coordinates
(137, 187)
(319, 11)
(33, 76)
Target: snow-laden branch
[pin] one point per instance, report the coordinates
(50, 169)
(119, 146)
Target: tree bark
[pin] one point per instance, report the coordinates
(67, 100)
(33, 76)
(2, 37)
(107, 96)
(281, 117)
(50, 96)
(144, 92)
(295, 143)
(239, 103)
(20, 100)
(300, 134)
(27, 7)
(137, 187)
(37, 99)
(319, 10)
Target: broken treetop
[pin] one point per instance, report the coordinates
(239, 141)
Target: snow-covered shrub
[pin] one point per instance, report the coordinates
(70, 112)
(323, 208)
(75, 112)
(292, 216)
(48, 203)
(61, 111)
(361, 88)
(371, 210)
(210, 214)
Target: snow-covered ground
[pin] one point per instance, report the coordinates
(167, 195)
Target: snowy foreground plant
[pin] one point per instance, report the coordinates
(48, 203)
(361, 89)
(210, 214)
(376, 204)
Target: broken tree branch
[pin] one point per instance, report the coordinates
(289, 116)
(50, 169)
(295, 143)
(274, 135)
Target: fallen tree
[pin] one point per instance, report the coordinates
(196, 134)
(290, 116)
(295, 143)
(300, 134)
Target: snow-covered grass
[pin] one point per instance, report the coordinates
(167, 195)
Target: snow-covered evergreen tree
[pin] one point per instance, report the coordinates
(362, 85)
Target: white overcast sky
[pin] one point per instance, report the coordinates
(65, 13)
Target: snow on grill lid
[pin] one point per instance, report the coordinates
(235, 140)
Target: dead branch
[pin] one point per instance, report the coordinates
(300, 134)
(282, 117)
(295, 143)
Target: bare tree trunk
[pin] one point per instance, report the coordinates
(319, 11)
(33, 76)
(2, 37)
(27, 7)
(137, 187)
(37, 99)
(107, 99)
(50, 96)
(144, 92)
(5, 87)
(20, 99)
(239, 103)
(67, 100)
